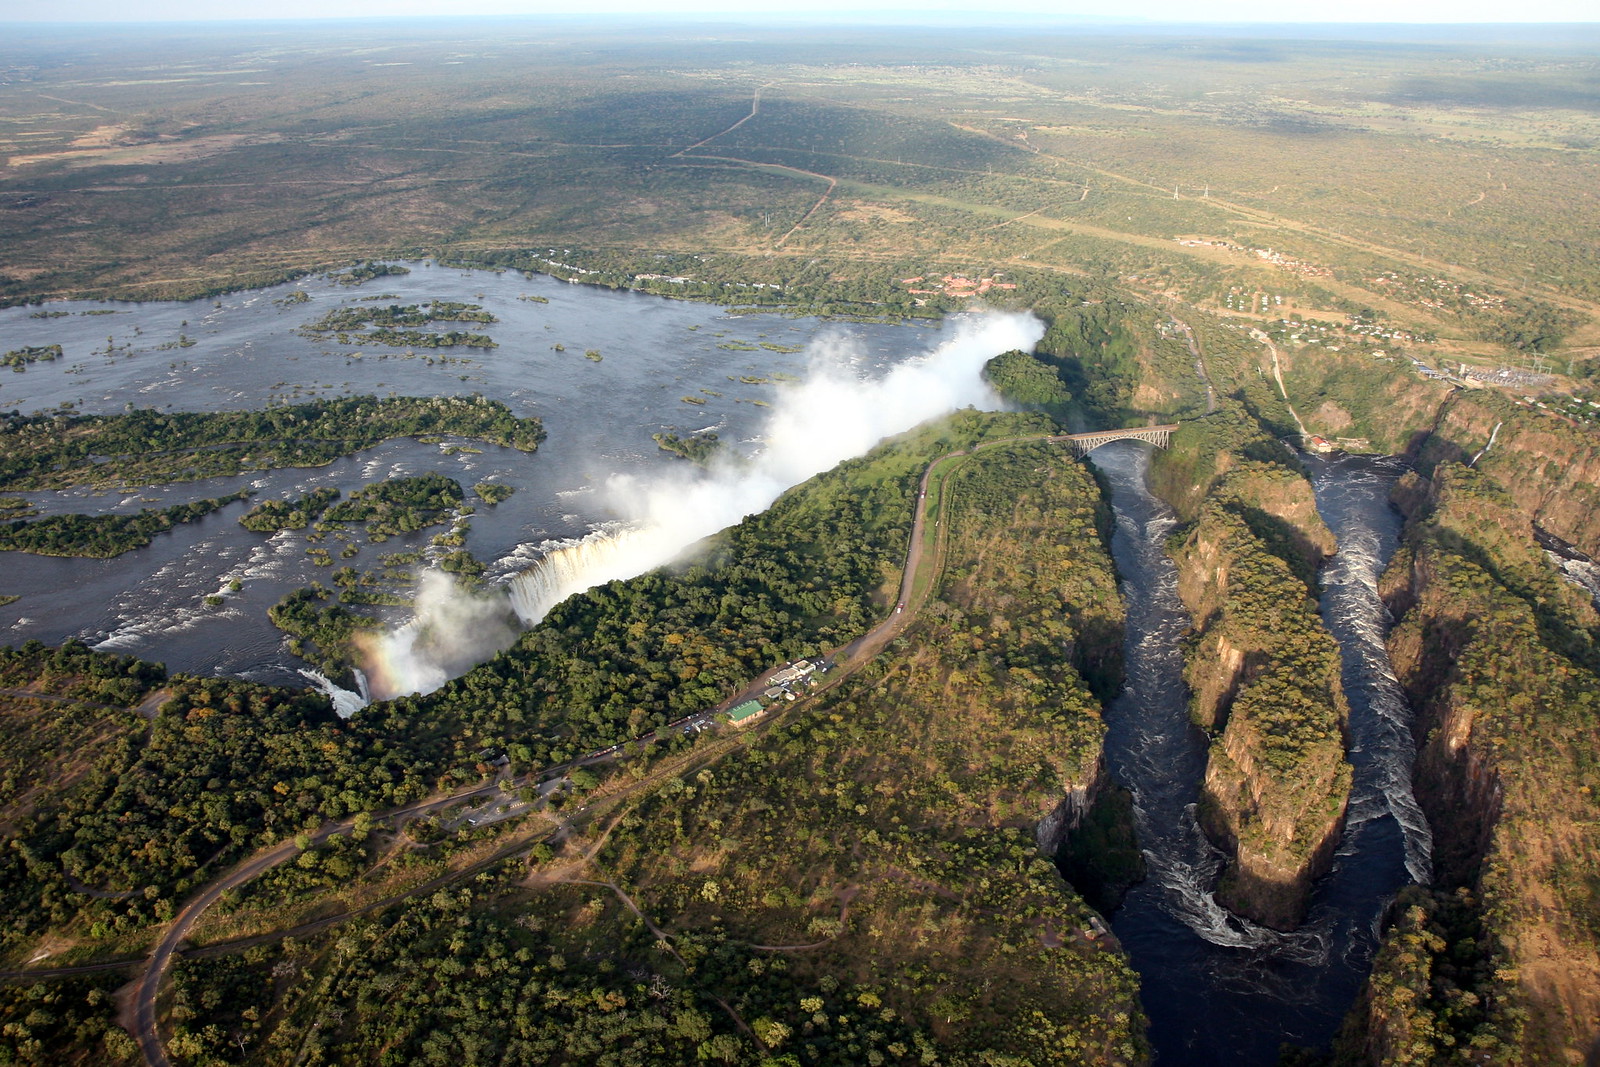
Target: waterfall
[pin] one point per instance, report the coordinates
(572, 566)
(345, 702)
(1492, 435)
(455, 629)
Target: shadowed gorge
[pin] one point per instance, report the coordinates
(551, 540)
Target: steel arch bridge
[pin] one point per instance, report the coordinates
(1084, 443)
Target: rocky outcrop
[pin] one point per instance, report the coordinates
(1264, 679)
(1547, 465)
(1053, 830)
(1281, 833)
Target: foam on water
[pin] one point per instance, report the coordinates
(1220, 989)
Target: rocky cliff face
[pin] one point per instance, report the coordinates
(1550, 468)
(1498, 657)
(1053, 830)
(1264, 675)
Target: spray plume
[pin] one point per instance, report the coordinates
(830, 417)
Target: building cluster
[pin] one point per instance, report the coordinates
(568, 267)
(1277, 259)
(1329, 334)
(785, 684)
(1290, 264)
(1506, 376)
(1251, 302)
(1438, 294)
(1363, 328)
(956, 285)
(1427, 371)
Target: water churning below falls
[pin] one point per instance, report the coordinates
(1219, 989)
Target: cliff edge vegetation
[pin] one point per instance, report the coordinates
(855, 879)
(1262, 670)
(1500, 961)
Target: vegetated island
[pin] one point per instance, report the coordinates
(147, 447)
(19, 358)
(275, 516)
(103, 536)
(696, 447)
(316, 617)
(397, 325)
(366, 270)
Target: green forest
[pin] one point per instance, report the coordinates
(103, 536)
(545, 955)
(145, 446)
(1375, 241)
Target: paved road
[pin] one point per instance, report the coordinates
(148, 990)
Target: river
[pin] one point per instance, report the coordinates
(249, 350)
(1218, 989)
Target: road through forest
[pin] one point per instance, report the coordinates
(143, 1015)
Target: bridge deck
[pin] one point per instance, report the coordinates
(1084, 443)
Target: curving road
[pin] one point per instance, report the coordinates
(147, 992)
(144, 1014)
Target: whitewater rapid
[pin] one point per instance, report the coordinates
(1381, 747)
(1218, 989)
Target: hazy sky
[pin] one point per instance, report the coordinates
(910, 10)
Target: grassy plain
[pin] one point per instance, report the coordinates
(1379, 173)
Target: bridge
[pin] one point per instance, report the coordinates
(1084, 443)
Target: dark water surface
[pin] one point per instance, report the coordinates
(1218, 989)
(247, 354)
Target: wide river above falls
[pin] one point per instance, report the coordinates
(249, 350)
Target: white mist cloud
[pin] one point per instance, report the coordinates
(454, 630)
(831, 416)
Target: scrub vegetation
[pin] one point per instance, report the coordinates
(147, 446)
(856, 878)
(865, 176)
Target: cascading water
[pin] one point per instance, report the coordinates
(828, 418)
(1218, 989)
(1576, 567)
(453, 629)
(346, 702)
(569, 567)
(1352, 496)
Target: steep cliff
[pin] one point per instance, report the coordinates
(1262, 670)
(1550, 468)
(1498, 655)
(1265, 679)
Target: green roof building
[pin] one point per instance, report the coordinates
(746, 713)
